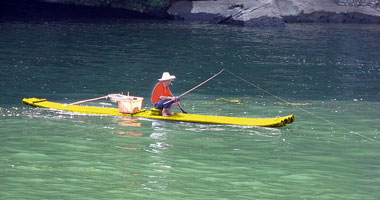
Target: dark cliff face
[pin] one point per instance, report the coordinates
(79, 8)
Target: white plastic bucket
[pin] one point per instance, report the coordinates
(130, 104)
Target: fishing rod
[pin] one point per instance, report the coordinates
(201, 83)
(196, 86)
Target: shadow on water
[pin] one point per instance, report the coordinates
(28, 10)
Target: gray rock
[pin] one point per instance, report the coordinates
(183, 11)
(260, 13)
(329, 11)
(240, 12)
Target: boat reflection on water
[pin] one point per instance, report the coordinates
(142, 145)
(128, 121)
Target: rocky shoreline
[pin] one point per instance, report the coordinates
(277, 12)
(254, 13)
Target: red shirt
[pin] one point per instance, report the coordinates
(160, 90)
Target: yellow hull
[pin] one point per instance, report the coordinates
(209, 119)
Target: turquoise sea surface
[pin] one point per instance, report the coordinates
(328, 76)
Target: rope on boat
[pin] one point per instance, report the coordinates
(315, 115)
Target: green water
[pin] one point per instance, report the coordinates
(331, 151)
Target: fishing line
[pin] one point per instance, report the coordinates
(317, 116)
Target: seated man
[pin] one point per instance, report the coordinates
(162, 98)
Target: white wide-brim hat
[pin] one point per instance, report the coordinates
(166, 76)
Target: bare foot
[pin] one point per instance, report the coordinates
(165, 113)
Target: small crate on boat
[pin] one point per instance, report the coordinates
(130, 104)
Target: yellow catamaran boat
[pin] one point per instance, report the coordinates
(154, 114)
